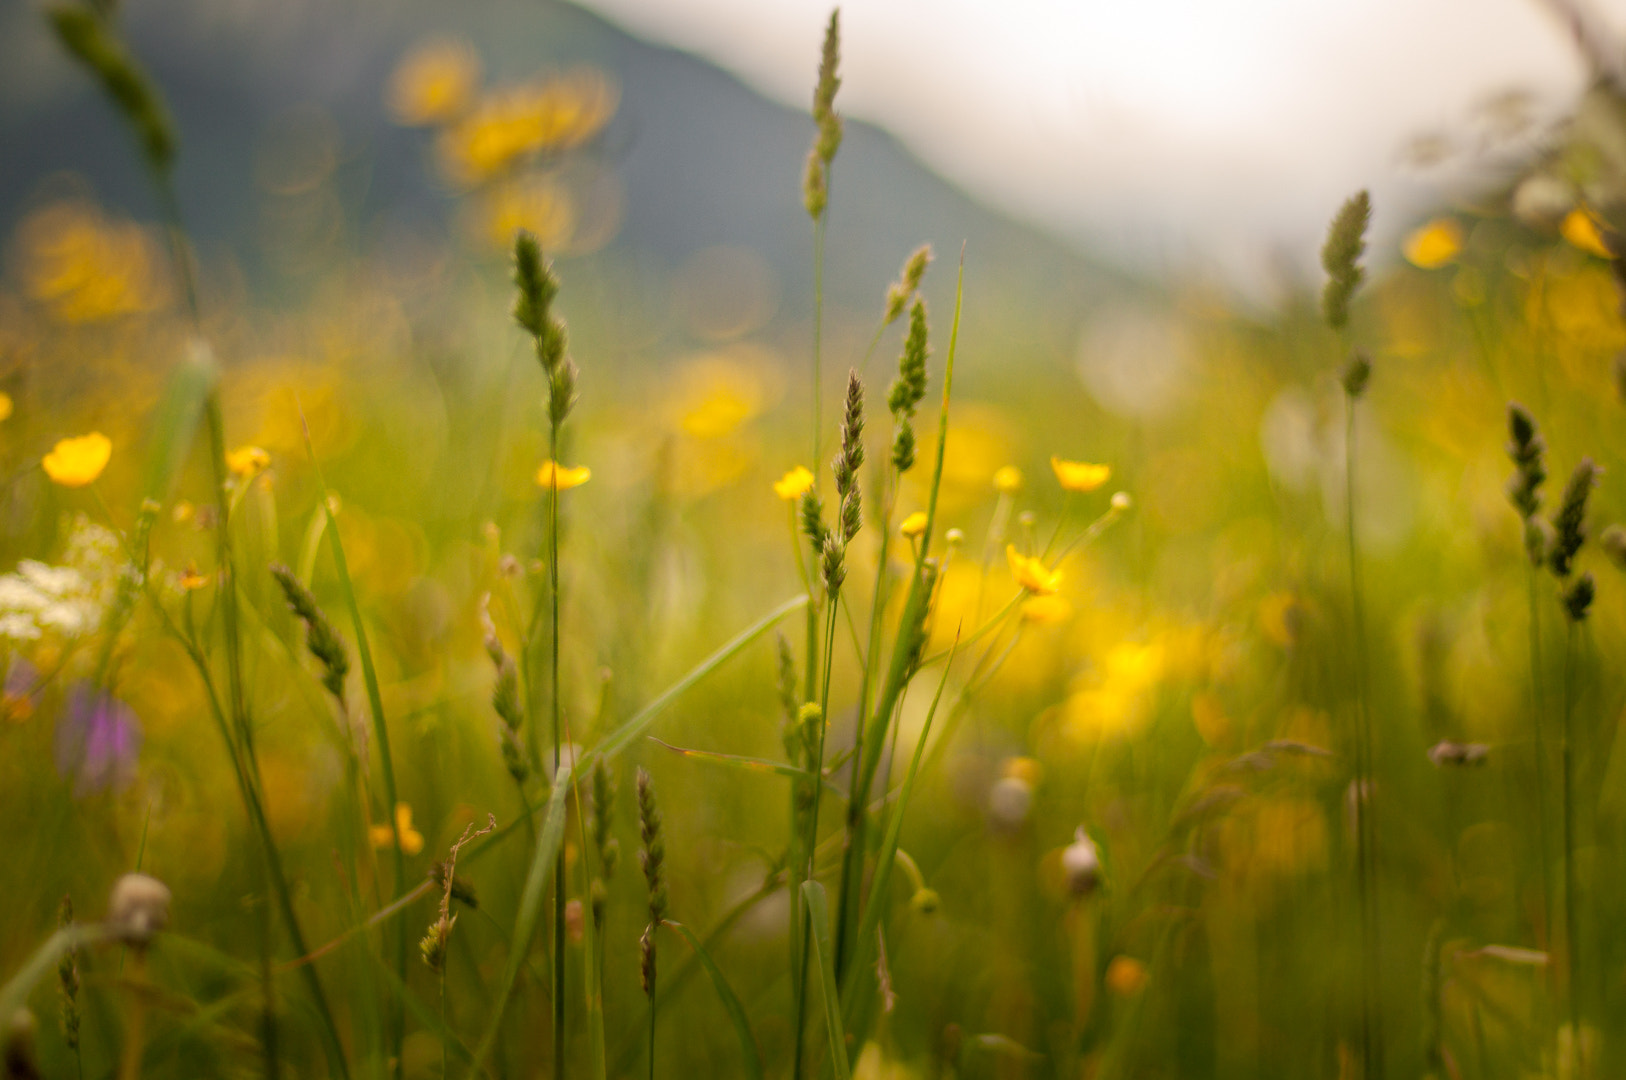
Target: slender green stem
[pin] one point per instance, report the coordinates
(554, 710)
(1572, 950)
(1537, 706)
(1365, 832)
(652, 1004)
(813, 837)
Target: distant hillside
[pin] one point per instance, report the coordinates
(703, 159)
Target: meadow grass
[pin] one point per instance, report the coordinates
(1107, 796)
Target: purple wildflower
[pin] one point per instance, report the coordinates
(97, 741)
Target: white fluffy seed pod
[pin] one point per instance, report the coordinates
(138, 909)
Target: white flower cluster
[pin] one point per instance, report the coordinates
(67, 601)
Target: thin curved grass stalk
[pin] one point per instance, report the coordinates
(530, 908)
(381, 731)
(1572, 949)
(856, 1002)
(750, 1055)
(1538, 706)
(1366, 855)
(86, 33)
(819, 919)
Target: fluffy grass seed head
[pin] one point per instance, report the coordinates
(1340, 257)
(85, 32)
(78, 461)
(909, 388)
(1357, 374)
(908, 283)
(1578, 597)
(1527, 448)
(536, 286)
(321, 638)
(824, 92)
(815, 189)
(851, 458)
(1569, 523)
(651, 858)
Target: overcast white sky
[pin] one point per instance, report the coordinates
(1220, 130)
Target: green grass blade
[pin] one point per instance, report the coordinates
(818, 913)
(731, 1003)
(746, 764)
(176, 425)
(375, 701)
(856, 1004)
(530, 910)
(619, 739)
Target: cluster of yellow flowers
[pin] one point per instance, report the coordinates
(87, 267)
(492, 141)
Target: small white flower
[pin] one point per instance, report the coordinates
(18, 627)
(18, 595)
(55, 582)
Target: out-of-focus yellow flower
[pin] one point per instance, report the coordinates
(1581, 229)
(1435, 244)
(793, 484)
(182, 512)
(246, 461)
(913, 525)
(1008, 480)
(5, 407)
(509, 127)
(1031, 574)
(562, 477)
(535, 204)
(1126, 976)
(411, 839)
(1080, 475)
(88, 268)
(76, 462)
(434, 83)
(190, 579)
(1208, 715)
(1046, 610)
(1281, 617)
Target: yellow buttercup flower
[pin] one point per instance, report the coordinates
(794, 484)
(5, 406)
(246, 461)
(76, 462)
(562, 477)
(1581, 229)
(1046, 610)
(1080, 475)
(1031, 574)
(1008, 480)
(1435, 244)
(190, 579)
(411, 839)
(913, 525)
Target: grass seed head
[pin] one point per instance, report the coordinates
(1340, 257)
(1569, 524)
(1578, 597)
(1527, 448)
(321, 638)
